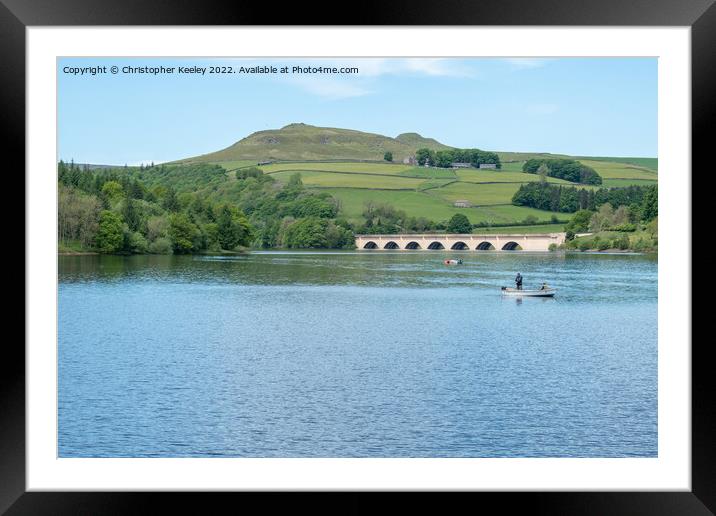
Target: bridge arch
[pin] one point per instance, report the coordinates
(511, 246)
(473, 241)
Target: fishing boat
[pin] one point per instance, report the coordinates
(540, 292)
(453, 262)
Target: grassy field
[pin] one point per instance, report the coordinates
(421, 204)
(524, 156)
(537, 228)
(355, 168)
(351, 180)
(498, 176)
(636, 171)
(513, 166)
(477, 194)
(320, 154)
(621, 183)
(650, 163)
(431, 192)
(610, 170)
(430, 173)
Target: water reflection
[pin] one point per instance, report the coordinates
(576, 276)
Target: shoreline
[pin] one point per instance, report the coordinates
(327, 249)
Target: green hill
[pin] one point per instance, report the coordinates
(348, 165)
(416, 141)
(302, 142)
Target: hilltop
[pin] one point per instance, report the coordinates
(300, 142)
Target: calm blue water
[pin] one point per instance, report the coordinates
(357, 355)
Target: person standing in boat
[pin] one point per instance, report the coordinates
(518, 281)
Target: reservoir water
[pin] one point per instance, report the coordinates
(357, 354)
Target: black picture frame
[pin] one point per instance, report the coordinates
(16, 15)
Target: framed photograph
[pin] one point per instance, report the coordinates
(416, 254)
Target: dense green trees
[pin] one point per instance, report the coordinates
(423, 156)
(112, 191)
(110, 234)
(445, 158)
(203, 208)
(643, 241)
(603, 209)
(183, 233)
(244, 173)
(567, 169)
(169, 199)
(459, 223)
(650, 203)
(545, 196)
(569, 199)
(314, 232)
(78, 216)
(189, 209)
(579, 223)
(232, 228)
(384, 219)
(623, 219)
(306, 233)
(388, 156)
(130, 214)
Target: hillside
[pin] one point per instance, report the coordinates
(301, 142)
(213, 206)
(432, 192)
(353, 172)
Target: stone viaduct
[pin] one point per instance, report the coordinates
(458, 242)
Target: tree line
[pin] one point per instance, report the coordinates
(190, 209)
(383, 219)
(568, 169)
(445, 158)
(611, 228)
(569, 199)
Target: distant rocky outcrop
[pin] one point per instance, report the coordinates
(306, 142)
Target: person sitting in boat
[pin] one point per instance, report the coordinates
(518, 281)
(544, 286)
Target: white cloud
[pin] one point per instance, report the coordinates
(340, 86)
(435, 66)
(330, 87)
(370, 69)
(527, 62)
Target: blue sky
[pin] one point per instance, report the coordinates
(576, 106)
